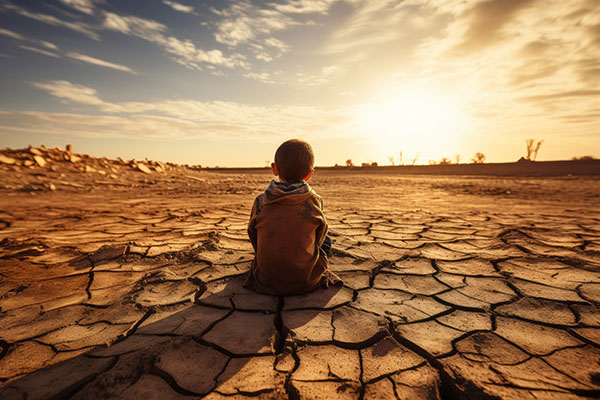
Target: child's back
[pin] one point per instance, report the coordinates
(287, 228)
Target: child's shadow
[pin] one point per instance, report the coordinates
(231, 340)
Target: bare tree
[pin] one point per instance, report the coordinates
(401, 161)
(349, 163)
(532, 148)
(414, 160)
(479, 158)
(391, 158)
(457, 157)
(537, 148)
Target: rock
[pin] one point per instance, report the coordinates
(144, 168)
(6, 160)
(35, 151)
(73, 158)
(69, 149)
(28, 163)
(39, 160)
(89, 169)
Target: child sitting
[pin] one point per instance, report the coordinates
(288, 229)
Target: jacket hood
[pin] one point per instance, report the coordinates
(287, 192)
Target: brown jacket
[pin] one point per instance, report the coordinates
(287, 228)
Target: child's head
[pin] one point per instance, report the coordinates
(294, 161)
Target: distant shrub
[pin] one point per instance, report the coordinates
(445, 161)
(478, 158)
(349, 163)
(583, 158)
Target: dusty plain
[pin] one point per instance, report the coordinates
(123, 280)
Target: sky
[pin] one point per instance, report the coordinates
(223, 83)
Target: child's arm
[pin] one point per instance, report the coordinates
(251, 229)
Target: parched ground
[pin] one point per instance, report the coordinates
(125, 282)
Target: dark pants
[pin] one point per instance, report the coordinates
(326, 246)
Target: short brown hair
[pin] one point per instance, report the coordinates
(294, 160)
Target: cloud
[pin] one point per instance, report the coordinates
(517, 63)
(304, 6)
(130, 25)
(73, 55)
(183, 51)
(51, 20)
(247, 23)
(175, 119)
(485, 22)
(180, 7)
(563, 95)
(11, 34)
(370, 23)
(40, 51)
(263, 77)
(243, 22)
(85, 6)
(97, 61)
(72, 93)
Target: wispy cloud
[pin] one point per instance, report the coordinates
(59, 53)
(39, 51)
(180, 7)
(177, 119)
(72, 93)
(184, 51)
(85, 6)
(371, 23)
(51, 20)
(11, 34)
(304, 6)
(97, 61)
(251, 24)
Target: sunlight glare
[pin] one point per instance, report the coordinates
(416, 120)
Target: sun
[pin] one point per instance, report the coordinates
(414, 120)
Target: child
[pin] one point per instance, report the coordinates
(288, 229)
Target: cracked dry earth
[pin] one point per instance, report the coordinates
(455, 287)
